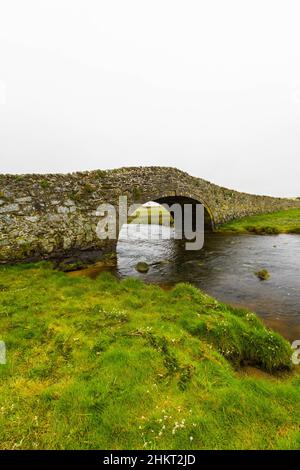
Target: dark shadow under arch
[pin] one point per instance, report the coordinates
(170, 200)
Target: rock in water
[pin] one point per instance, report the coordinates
(142, 267)
(263, 275)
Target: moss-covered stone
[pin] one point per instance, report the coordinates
(142, 267)
(263, 274)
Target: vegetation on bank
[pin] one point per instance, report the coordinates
(285, 221)
(104, 364)
(157, 215)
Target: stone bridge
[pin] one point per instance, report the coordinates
(55, 215)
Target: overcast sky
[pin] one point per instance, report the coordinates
(211, 87)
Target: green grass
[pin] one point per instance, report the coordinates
(286, 221)
(151, 215)
(103, 364)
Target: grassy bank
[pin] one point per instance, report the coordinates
(123, 365)
(151, 215)
(287, 221)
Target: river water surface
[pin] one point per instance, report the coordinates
(225, 268)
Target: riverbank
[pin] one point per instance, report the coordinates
(158, 215)
(286, 221)
(123, 365)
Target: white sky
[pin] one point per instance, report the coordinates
(211, 87)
